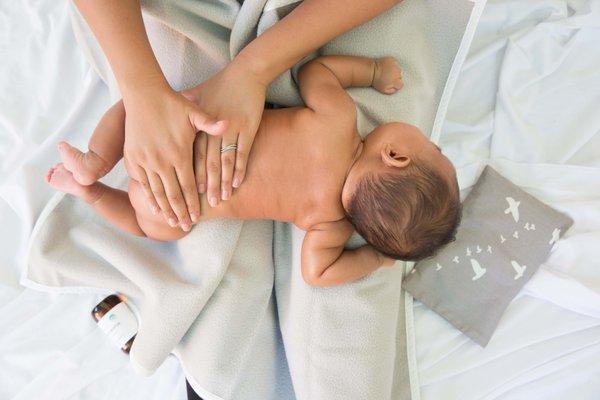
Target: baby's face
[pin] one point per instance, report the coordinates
(394, 145)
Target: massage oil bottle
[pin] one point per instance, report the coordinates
(117, 320)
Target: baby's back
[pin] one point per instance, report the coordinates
(296, 170)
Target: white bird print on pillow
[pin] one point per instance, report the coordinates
(513, 208)
(519, 269)
(477, 269)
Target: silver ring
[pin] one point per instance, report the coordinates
(229, 147)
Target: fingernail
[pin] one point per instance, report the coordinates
(224, 194)
(212, 201)
(185, 227)
(172, 222)
(194, 217)
(236, 183)
(201, 188)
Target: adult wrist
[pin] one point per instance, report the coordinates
(260, 68)
(143, 85)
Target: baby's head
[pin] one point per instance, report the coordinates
(401, 193)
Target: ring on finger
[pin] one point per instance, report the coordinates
(229, 147)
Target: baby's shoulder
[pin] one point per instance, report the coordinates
(328, 132)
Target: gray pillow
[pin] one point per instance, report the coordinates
(504, 236)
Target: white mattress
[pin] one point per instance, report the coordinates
(527, 99)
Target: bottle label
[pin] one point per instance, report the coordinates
(119, 324)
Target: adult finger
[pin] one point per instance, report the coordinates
(227, 165)
(145, 184)
(175, 197)
(138, 173)
(200, 161)
(202, 122)
(187, 183)
(213, 170)
(245, 142)
(160, 195)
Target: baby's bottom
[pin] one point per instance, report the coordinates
(154, 226)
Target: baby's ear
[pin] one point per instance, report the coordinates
(395, 157)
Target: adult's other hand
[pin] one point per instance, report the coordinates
(236, 95)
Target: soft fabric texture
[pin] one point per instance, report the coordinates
(526, 103)
(505, 235)
(233, 308)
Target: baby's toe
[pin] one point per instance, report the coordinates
(62, 179)
(399, 83)
(49, 174)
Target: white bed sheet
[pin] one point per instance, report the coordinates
(49, 346)
(51, 349)
(527, 102)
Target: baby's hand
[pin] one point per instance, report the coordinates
(387, 78)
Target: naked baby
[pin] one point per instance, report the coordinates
(308, 166)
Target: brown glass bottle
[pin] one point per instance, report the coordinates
(105, 306)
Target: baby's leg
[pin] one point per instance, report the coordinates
(105, 148)
(126, 211)
(112, 204)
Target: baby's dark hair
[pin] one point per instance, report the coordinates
(407, 214)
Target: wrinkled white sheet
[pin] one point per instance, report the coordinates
(527, 101)
(49, 344)
(543, 119)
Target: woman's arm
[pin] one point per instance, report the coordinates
(311, 25)
(119, 28)
(161, 124)
(237, 93)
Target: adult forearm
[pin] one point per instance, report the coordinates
(308, 27)
(119, 28)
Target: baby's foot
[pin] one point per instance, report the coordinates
(388, 76)
(87, 167)
(62, 179)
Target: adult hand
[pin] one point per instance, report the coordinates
(160, 128)
(237, 95)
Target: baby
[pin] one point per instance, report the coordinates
(308, 166)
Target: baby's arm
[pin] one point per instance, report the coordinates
(323, 80)
(325, 262)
